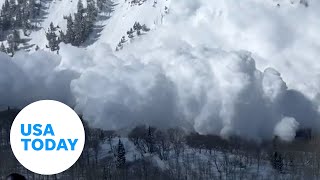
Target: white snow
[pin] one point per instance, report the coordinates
(126, 15)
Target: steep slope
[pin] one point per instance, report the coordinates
(114, 27)
(125, 15)
(56, 10)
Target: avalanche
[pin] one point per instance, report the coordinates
(222, 67)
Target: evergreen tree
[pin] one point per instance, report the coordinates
(166, 10)
(145, 28)
(105, 6)
(80, 8)
(32, 9)
(12, 12)
(92, 11)
(53, 40)
(130, 33)
(137, 27)
(79, 28)
(1, 29)
(16, 37)
(2, 48)
(123, 40)
(17, 22)
(121, 155)
(91, 17)
(12, 4)
(25, 24)
(150, 140)
(21, 2)
(120, 44)
(13, 42)
(62, 36)
(69, 36)
(277, 161)
(100, 4)
(6, 16)
(52, 28)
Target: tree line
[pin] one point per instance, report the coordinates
(175, 154)
(136, 30)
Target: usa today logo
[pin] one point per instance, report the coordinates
(47, 137)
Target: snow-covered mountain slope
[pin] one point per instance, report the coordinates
(125, 15)
(244, 67)
(55, 13)
(56, 10)
(114, 27)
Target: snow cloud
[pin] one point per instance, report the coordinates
(284, 37)
(27, 78)
(286, 129)
(207, 90)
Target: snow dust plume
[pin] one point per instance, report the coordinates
(285, 37)
(28, 78)
(199, 88)
(286, 129)
(203, 89)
